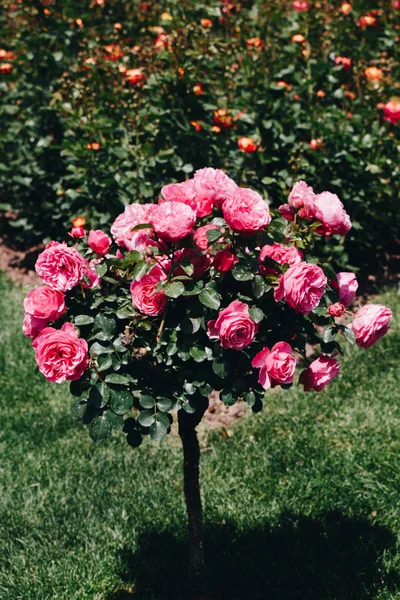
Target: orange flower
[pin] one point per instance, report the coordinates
(99, 2)
(296, 97)
(89, 62)
(162, 41)
(315, 144)
(367, 21)
(79, 22)
(113, 52)
(79, 221)
(206, 23)
(166, 16)
(117, 26)
(93, 146)
(216, 129)
(346, 8)
(6, 68)
(373, 74)
(298, 38)
(222, 118)
(135, 77)
(284, 84)
(254, 42)
(247, 144)
(198, 89)
(6, 54)
(321, 94)
(196, 125)
(181, 71)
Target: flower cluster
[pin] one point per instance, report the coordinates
(208, 289)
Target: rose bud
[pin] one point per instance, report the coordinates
(77, 232)
(336, 310)
(99, 242)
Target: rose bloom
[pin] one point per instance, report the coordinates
(200, 261)
(301, 195)
(206, 23)
(77, 232)
(319, 373)
(302, 286)
(254, 42)
(344, 61)
(93, 146)
(300, 6)
(32, 326)
(222, 118)
(391, 112)
(277, 366)
(135, 76)
(60, 267)
(133, 215)
(60, 354)
(200, 236)
(328, 209)
(315, 144)
(224, 260)
(113, 52)
(144, 296)
(367, 21)
(6, 54)
(79, 221)
(213, 185)
(162, 41)
(196, 125)
(336, 310)
(246, 211)
(234, 326)
(284, 84)
(6, 68)
(346, 8)
(99, 242)
(45, 303)
(186, 193)
(298, 38)
(91, 275)
(286, 211)
(284, 255)
(321, 94)
(198, 89)
(173, 221)
(373, 74)
(347, 285)
(247, 144)
(396, 4)
(371, 323)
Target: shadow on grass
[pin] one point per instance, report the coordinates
(331, 557)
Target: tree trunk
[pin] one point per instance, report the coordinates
(191, 458)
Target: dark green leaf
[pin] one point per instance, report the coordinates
(242, 271)
(117, 379)
(198, 354)
(210, 298)
(146, 418)
(174, 289)
(158, 431)
(164, 404)
(146, 401)
(258, 286)
(80, 320)
(78, 410)
(100, 429)
(213, 235)
(121, 401)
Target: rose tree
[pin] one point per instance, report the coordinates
(207, 290)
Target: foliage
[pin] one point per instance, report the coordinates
(306, 491)
(79, 139)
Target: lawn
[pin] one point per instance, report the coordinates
(301, 502)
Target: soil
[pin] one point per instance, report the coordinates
(19, 264)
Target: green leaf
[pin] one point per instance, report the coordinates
(210, 298)
(250, 398)
(100, 429)
(256, 314)
(258, 286)
(141, 268)
(174, 289)
(228, 398)
(242, 271)
(142, 226)
(104, 327)
(101, 269)
(147, 401)
(146, 418)
(104, 363)
(99, 395)
(198, 354)
(158, 431)
(80, 320)
(130, 259)
(117, 379)
(349, 335)
(220, 367)
(117, 422)
(78, 410)
(121, 401)
(164, 404)
(188, 268)
(213, 235)
(329, 333)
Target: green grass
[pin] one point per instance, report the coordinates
(302, 502)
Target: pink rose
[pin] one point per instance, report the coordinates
(45, 303)
(224, 260)
(319, 373)
(246, 212)
(347, 285)
(32, 326)
(213, 185)
(173, 221)
(328, 209)
(234, 326)
(336, 310)
(277, 366)
(344, 61)
(286, 212)
(301, 195)
(144, 295)
(391, 112)
(200, 261)
(99, 242)
(302, 286)
(371, 323)
(133, 215)
(200, 236)
(284, 255)
(91, 274)
(300, 6)
(60, 354)
(186, 193)
(77, 232)
(60, 267)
